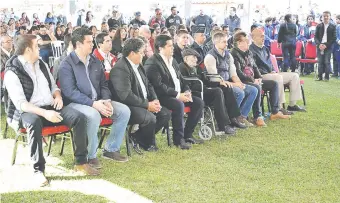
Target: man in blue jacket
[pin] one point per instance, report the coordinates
(85, 89)
(233, 21)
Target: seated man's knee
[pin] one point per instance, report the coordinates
(93, 116)
(32, 121)
(239, 93)
(123, 111)
(177, 107)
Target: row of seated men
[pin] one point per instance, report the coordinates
(148, 95)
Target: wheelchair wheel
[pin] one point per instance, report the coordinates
(208, 116)
(205, 133)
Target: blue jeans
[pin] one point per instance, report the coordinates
(120, 117)
(45, 54)
(324, 63)
(288, 50)
(337, 57)
(245, 98)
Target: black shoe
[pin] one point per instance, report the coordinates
(229, 130)
(152, 148)
(192, 140)
(296, 108)
(238, 124)
(182, 144)
(286, 112)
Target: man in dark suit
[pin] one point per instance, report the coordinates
(325, 36)
(163, 72)
(132, 88)
(198, 45)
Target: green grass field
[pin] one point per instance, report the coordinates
(295, 160)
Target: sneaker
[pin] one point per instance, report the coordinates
(286, 112)
(87, 169)
(246, 123)
(279, 115)
(94, 163)
(260, 122)
(39, 179)
(182, 144)
(116, 156)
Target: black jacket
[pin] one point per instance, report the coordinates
(287, 33)
(197, 72)
(125, 87)
(262, 58)
(240, 60)
(331, 35)
(178, 54)
(137, 22)
(160, 77)
(116, 47)
(173, 20)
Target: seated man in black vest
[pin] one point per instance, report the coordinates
(33, 101)
(163, 72)
(212, 94)
(132, 88)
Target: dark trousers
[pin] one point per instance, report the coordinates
(273, 88)
(149, 124)
(288, 50)
(230, 102)
(177, 115)
(324, 63)
(34, 125)
(214, 97)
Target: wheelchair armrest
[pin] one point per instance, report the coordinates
(195, 79)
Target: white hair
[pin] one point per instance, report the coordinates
(143, 29)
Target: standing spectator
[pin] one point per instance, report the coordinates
(62, 19)
(89, 19)
(277, 27)
(50, 18)
(36, 19)
(25, 20)
(287, 36)
(118, 42)
(337, 46)
(137, 20)
(81, 18)
(233, 21)
(173, 19)
(116, 20)
(6, 50)
(204, 20)
(158, 18)
(325, 36)
(107, 16)
(83, 84)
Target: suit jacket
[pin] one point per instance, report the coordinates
(178, 54)
(74, 83)
(125, 87)
(331, 34)
(160, 77)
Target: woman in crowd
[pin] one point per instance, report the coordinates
(36, 18)
(50, 18)
(89, 19)
(24, 20)
(287, 36)
(118, 42)
(59, 34)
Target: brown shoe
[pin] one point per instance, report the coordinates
(245, 122)
(87, 169)
(116, 156)
(94, 163)
(260, 122)
(279, 115)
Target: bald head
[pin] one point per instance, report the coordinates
(258, 37)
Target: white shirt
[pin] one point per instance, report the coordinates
(324, 38)
(141, 83)
(173, 74)
(42, 95)
(107, 60)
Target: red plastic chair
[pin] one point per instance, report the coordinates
(48, 131)
(298, 51)
(2, 75)
(310, 54)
